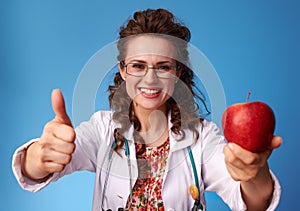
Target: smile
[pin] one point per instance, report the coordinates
(150, 91)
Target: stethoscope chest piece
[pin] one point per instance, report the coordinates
(194, 192)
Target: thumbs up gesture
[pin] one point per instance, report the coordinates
(54, 149)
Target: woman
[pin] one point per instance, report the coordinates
(152, 148)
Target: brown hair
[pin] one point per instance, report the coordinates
(184, 111)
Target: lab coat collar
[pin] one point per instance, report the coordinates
(175, 140)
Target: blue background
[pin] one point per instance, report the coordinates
(253, 45)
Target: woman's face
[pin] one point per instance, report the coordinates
(152, 90)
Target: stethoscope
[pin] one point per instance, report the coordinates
(194, 189)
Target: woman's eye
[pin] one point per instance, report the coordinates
(138, 66)
(164, 67)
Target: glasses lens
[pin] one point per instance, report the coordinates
(136, 69)
(165, 71)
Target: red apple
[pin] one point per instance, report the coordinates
(250, 125)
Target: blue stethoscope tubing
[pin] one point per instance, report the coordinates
(197, 204)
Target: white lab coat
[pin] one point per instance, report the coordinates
(93, 143)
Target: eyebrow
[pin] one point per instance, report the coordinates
(144, 62)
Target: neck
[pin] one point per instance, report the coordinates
(154, 125)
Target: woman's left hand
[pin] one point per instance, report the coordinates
(244, 165)
(252, 170)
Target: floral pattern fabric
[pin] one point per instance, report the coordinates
(146, 192)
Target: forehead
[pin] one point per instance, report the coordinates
(150, 45)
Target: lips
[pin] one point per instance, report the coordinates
(150, 92)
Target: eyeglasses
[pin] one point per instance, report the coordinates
(141, 69)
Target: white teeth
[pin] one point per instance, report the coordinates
(149, 91)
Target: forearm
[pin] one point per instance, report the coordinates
(257, 193)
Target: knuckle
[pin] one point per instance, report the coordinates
(230, 158)
(59, 168)
(235, 177)
(67, 159)
(70, 133)
(44, 144)
(72, 148)
(66, 132)
(250, 160)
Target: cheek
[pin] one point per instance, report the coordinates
(169, 88)
(131, 87)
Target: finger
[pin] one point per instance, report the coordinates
(276, 142)
(52, 167)
(57, 157)
(232, 159)
(59, 108)
(247, 157)
(64, 132)
(62, 146)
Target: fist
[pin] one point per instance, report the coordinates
(56, 145)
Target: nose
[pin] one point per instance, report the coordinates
(151, 76)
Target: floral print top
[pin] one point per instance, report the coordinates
(147, 189)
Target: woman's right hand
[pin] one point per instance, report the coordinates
(54, 149)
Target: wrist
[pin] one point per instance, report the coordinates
(257, 193)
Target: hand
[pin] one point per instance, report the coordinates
(252, 170)
(244, 165)
(54, 149)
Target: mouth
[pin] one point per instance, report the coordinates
(150, 91)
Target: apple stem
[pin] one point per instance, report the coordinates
(248, 96)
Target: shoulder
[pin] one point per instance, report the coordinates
(209, 134)
(103, 115)
(99, 121)
(99, 127)
(207, 127)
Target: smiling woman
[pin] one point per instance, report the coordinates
(147, 152)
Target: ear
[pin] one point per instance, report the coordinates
(122, 70)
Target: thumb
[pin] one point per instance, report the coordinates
(276, 142)
(59, 108)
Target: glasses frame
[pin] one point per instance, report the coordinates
(176, 68)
